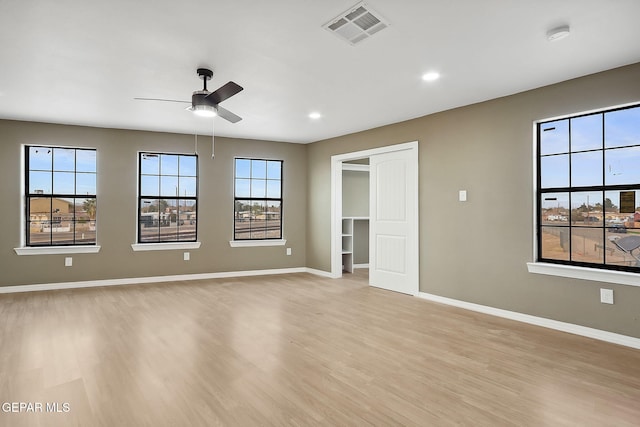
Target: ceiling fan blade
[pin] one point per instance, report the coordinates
(160, 99)
(224, 92)
(228, 115)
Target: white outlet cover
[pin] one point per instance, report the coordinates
(187, 256)
(68, 261)
(606, 296)
(288, 251)
(462, 195)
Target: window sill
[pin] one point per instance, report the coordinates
(256, 243)
(57, 250)
(141, 247)
(584, 273)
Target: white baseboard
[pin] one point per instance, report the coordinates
(157, 279)
(360, 265)
(321, 273)
(571, 328)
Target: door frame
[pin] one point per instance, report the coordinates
(336, 200)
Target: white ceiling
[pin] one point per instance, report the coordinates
(82, 62)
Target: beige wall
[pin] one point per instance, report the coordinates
(117, 199)
(477, 251)
(355, 193)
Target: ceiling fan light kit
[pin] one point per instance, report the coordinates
(203, 110)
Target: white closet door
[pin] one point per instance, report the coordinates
(394, 222)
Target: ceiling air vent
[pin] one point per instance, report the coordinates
(356, 24)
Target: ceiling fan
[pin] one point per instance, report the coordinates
(205, 103)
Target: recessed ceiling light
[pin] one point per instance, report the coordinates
(431, 76)
(558, 33)
(315, 115)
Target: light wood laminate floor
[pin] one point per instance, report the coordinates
(298, 350)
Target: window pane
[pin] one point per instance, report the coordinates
(148, 221)
(243, 168)
(555, 243)
(187, 187)
(554, 137)
(62, 221)
(274, 170)
(149, 185)
(168, 164)
(85, 227)
(243, 188)
(64, 183)
(39, 211)
(40, 182)
(86, 208)
(187, 221)
(587, 208)
(555, 209)
(259, 169)
(622, 128)
(258, 219)
(258, 188)
(150, 164)
(188, 166)
(242, 218)
(586, 169)
(554, 171)
(622, 249)
(168, 186)
(620, 222)
(273, 189)
(64, 159)
(85, 160)
(622, 166)
(587, 245)
(168, 217)
(40, 158)
(85, 183)
(273, 220)
(586, 133)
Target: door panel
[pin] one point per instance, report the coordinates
(394, 221)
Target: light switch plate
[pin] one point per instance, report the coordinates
(462, 195)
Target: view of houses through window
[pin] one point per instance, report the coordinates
(61, 205)
(167, 202)
(258, 199)
(589, 190)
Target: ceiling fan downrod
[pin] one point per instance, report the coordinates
(205, 74)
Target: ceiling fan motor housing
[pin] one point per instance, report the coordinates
(199, 97)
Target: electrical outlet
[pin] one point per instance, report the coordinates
(186, 256)
(288, 251)
(68, 261)
(606, 296)
(462, 195)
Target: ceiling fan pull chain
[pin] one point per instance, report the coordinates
(195, 147)
(213, 136)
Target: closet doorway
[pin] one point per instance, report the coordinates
(392, 217)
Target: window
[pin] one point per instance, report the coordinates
(258, 199)
(589, 190)
(61, 204)
(167, 201)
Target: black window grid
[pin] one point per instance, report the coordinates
(267, 227)
(570, 190)
(72, 239)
